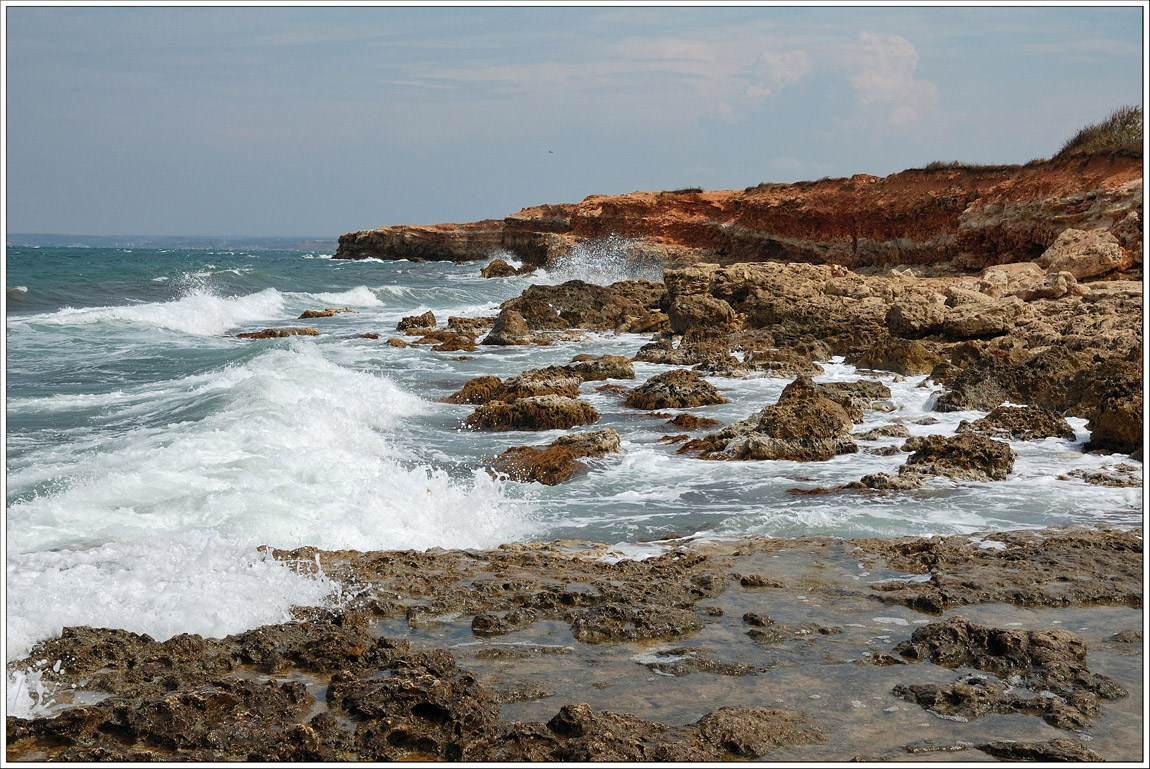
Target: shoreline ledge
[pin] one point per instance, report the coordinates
(1018, 645)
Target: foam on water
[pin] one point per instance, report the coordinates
(602, 261)
(199, 311)
(208, 584)
(145, 528)
(360, 296)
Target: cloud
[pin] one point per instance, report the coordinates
(886, 78)
(771, 71)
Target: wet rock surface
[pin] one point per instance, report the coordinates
(807, 423)
(969, 457)
(556, 462)
(541, 412)
(568, 636)
(1020, 423)
(678, 388)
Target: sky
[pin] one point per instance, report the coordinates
(314, 121)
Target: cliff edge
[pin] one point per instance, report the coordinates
(952, 216)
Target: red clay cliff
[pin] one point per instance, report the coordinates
(962, 217)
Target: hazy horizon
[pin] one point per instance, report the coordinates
(202, 120)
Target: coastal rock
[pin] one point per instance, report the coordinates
(1060, 749)
(700, 310)
(469, 326)
(968, 457)
(1117, 423)
(752, 732)
(415, 324)
(691, 422)
(1053, 286)
(804, 426)
(985, 319)
(679, 388)
(534, 382)
(498, 268)
(277, 333)
(576, 304)
(1006, 279)
(784, 363)
(858, 396)
(420, 703)
(1020, 423)
(419, 243)
(902, 356)
(510, 328)
(915, 318)
(1040, 660)
(556, 462)
(886, 431)
(542, 412)
(614, 622)
(475, 391)
(1084, 254)
(456, 343)
(699, 346)
(327, 312)
(593, 369)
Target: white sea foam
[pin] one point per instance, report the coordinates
(199, 311)
(602, 261)
(296, 450)
(207, 584)
(360, 296)
(148, 528)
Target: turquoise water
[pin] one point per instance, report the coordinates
(150, 452)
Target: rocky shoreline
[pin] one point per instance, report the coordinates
(1023, 299)
(1014, 645)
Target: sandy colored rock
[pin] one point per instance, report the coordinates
(700, 310)
(1084, 254)
(902, 356)
(915, 318)
(594, 369)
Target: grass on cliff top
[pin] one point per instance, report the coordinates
(1121, 133)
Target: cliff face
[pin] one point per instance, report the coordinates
(968, 217)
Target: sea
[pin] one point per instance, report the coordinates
(150, 453)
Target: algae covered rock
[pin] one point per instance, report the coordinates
(541, 412)
(679, 388)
